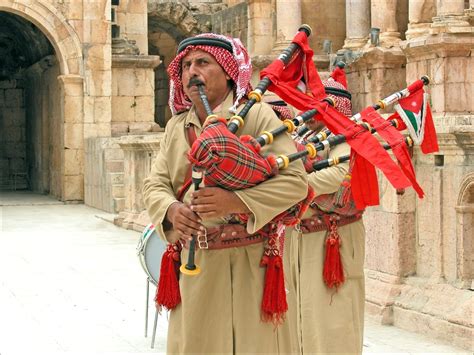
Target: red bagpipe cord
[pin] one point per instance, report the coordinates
(167, 292)
(333, 271)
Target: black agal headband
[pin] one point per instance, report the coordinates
(204, 41)
(338, 92)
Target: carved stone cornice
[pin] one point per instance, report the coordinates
(135, 61)
(148, 143)
(378, 57)
(441, 45)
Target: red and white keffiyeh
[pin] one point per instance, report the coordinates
(236, 64)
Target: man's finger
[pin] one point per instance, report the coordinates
(203, 208)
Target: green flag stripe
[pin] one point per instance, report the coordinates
(412, 119)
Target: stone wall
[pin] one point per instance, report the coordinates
(232, 22)
(12, 135)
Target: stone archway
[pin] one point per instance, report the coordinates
(465, 232)
(168, 24)
(51, 85)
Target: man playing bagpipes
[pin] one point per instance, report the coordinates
(218, 311)
(330, 311)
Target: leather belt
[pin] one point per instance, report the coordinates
(227, 236)
(317, 223)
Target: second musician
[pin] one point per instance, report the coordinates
(330, 317)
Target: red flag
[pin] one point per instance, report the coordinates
(416, 114)
(397, 143)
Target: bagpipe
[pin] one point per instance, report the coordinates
(234, 163)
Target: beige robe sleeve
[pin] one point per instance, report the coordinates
(282, 191)
(328, 180)
(158, 193)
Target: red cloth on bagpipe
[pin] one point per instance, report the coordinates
(365, 148)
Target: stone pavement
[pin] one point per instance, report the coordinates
(71, 283)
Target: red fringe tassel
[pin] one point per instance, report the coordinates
(167, 292)
(274, 303)
(333, 271)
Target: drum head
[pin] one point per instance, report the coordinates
(151, 249)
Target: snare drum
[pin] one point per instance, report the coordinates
(150, 250)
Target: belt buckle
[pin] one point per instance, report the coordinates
(202, 240)
(298, 227)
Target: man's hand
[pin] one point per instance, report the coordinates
(183, 219)
(214, 202)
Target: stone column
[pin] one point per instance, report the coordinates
(72, 155)
(357, 23)
(450, 13)
(288, 13)
(260, 27)
(420, 13)
(384, 16)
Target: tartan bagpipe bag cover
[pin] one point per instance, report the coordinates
(228, 161)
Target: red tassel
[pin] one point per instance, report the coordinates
(274, 303)
(333, 271)
(167, 292)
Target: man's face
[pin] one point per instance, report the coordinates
(202, 66)
(315, 125)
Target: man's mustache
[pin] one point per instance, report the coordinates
(194, 82)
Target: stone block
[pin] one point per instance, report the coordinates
(73, 161)
(89, 109)
(73, 188)
(114, 166)
(73, 135)
(457, 69)
(390, 246)
(123, 108)
(100, 82)
(74, 65)
(119, 129)
(144, 80)
(116, 178)
(98, 57)
(101, 32)
(73, 109)
(429, 217)
(14, 98)
(93, 130)
(113, 154)
(438, 98)
(75, 11)
(102, 109)
(459, 98)
(145, 109)
(136, 23)
(15, 134)
(126, 81)
(118, 191)
(119, 204)
(140, 127)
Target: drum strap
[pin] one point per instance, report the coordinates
(187, 179)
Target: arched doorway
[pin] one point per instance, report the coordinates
(168, 24)
(29, 115)
(40, 66)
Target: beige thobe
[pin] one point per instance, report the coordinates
(220, 308)
(328, 321)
